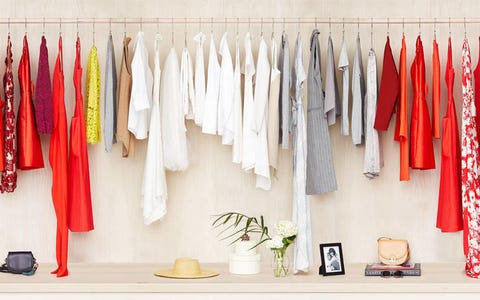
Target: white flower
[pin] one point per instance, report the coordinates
(286, 228)
(275, 243)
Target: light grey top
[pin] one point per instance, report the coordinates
(284, 101)
(358, 92)
(110, 98)
(372, 162)
(332, 99)
(343, 66)
(320, 170)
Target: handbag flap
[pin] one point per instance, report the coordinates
(393, 251)
(20, 262)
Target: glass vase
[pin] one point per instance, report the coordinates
(280, 263)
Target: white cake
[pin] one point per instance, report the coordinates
(245, 259)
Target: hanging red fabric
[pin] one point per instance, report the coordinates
(58, 157)
(79, 198)
(28, 143)
(401, 125)
(2, 146)
(449, 214)
(421, 143)
(476, 75)
(389, 87)
(9, 176)
(436, 91)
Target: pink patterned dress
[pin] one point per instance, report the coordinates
(470, 174)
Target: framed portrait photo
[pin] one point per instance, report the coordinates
(332, 259)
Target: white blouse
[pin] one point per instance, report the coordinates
(237, 107)
(259, 121)
(225, 97)
(154, 187)
(186, 84)
(141, 93)
(209, 125)
(175, 154)
(249, 136)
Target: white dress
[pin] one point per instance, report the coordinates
(302, 253)
(186, 84)
(154, 187)
(175, 154)
(199, 102)
(225, 94)
(209, 124)
(141, 93)
(249, 136)
(343, 66)
(237, 107)
(260, 117)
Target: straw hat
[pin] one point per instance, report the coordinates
(186, 267)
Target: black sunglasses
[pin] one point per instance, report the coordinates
(387, 274)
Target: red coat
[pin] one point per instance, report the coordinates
(79, 198)
(449, 214)
(28, 142)
(421, 143)
(58, 157)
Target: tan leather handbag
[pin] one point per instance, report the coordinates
(393, 252)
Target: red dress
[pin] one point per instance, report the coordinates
(388, 93)
(421, 143)
(436, 91)
(28, 143)
(2, 146)
(401, 125)
(9, 176)
(58, 157)
(79, 197)
(476, 75)
(449, 214)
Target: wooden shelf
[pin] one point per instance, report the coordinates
(139, 278)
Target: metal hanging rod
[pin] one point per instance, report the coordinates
(222, 20)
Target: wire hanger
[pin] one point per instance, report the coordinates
(465, 26)
(273, 28)
(284, 27)
(403, 26)
(449, 27)
(93, 31)
(43, 26)
(124, 27)
(261, 27)
(388, 27)
(77, 28)
(110, 26)
(371, 33)
(185, 37)
(329, 27)
(298, 25)
(419, 26)
(435, 28)
(238, 21)
(60, 24)
(211, 25)
(173, 35)
(343, 29)
(8, 26)
(358, 27)
(25, 26)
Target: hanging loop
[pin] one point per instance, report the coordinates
(261, 27)
(110, 26)
(371, 33)
(9, 26)
(238, 22)
(403, 26)
(343, 28)
(358, 26)
(60, 24)
(449, 26)
(124, 27)
(435, 28)
(25, 26)
(43, 26)
(465, 26)
(284, 26)
(77, 28)
(298, 25)
(211, 25)
(93, 31)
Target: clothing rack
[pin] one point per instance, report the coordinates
(217, 20)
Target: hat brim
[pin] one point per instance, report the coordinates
(203, 274)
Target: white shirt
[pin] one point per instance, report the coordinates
(237, 107)
(175, 154)
(209, 125)
(273, 130)
(141, 93)
(186, 84)
(225, 95)
(249, 136)
(302, 253)
(259, 122)
(154, 187)
(343, 66)
(373, 160)
(358, 92)
(199, 102)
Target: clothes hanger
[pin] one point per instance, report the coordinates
(329, 27)
(273, 28)
(343, 29)
(173, 35)
(124, 28)
(435, 28)
(388, 27)
(371, 33)
(93, 31)
(43, 27)
(185, 37)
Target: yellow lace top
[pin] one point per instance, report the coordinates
(93, 98)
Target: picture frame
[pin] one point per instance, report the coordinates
(332, 259)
